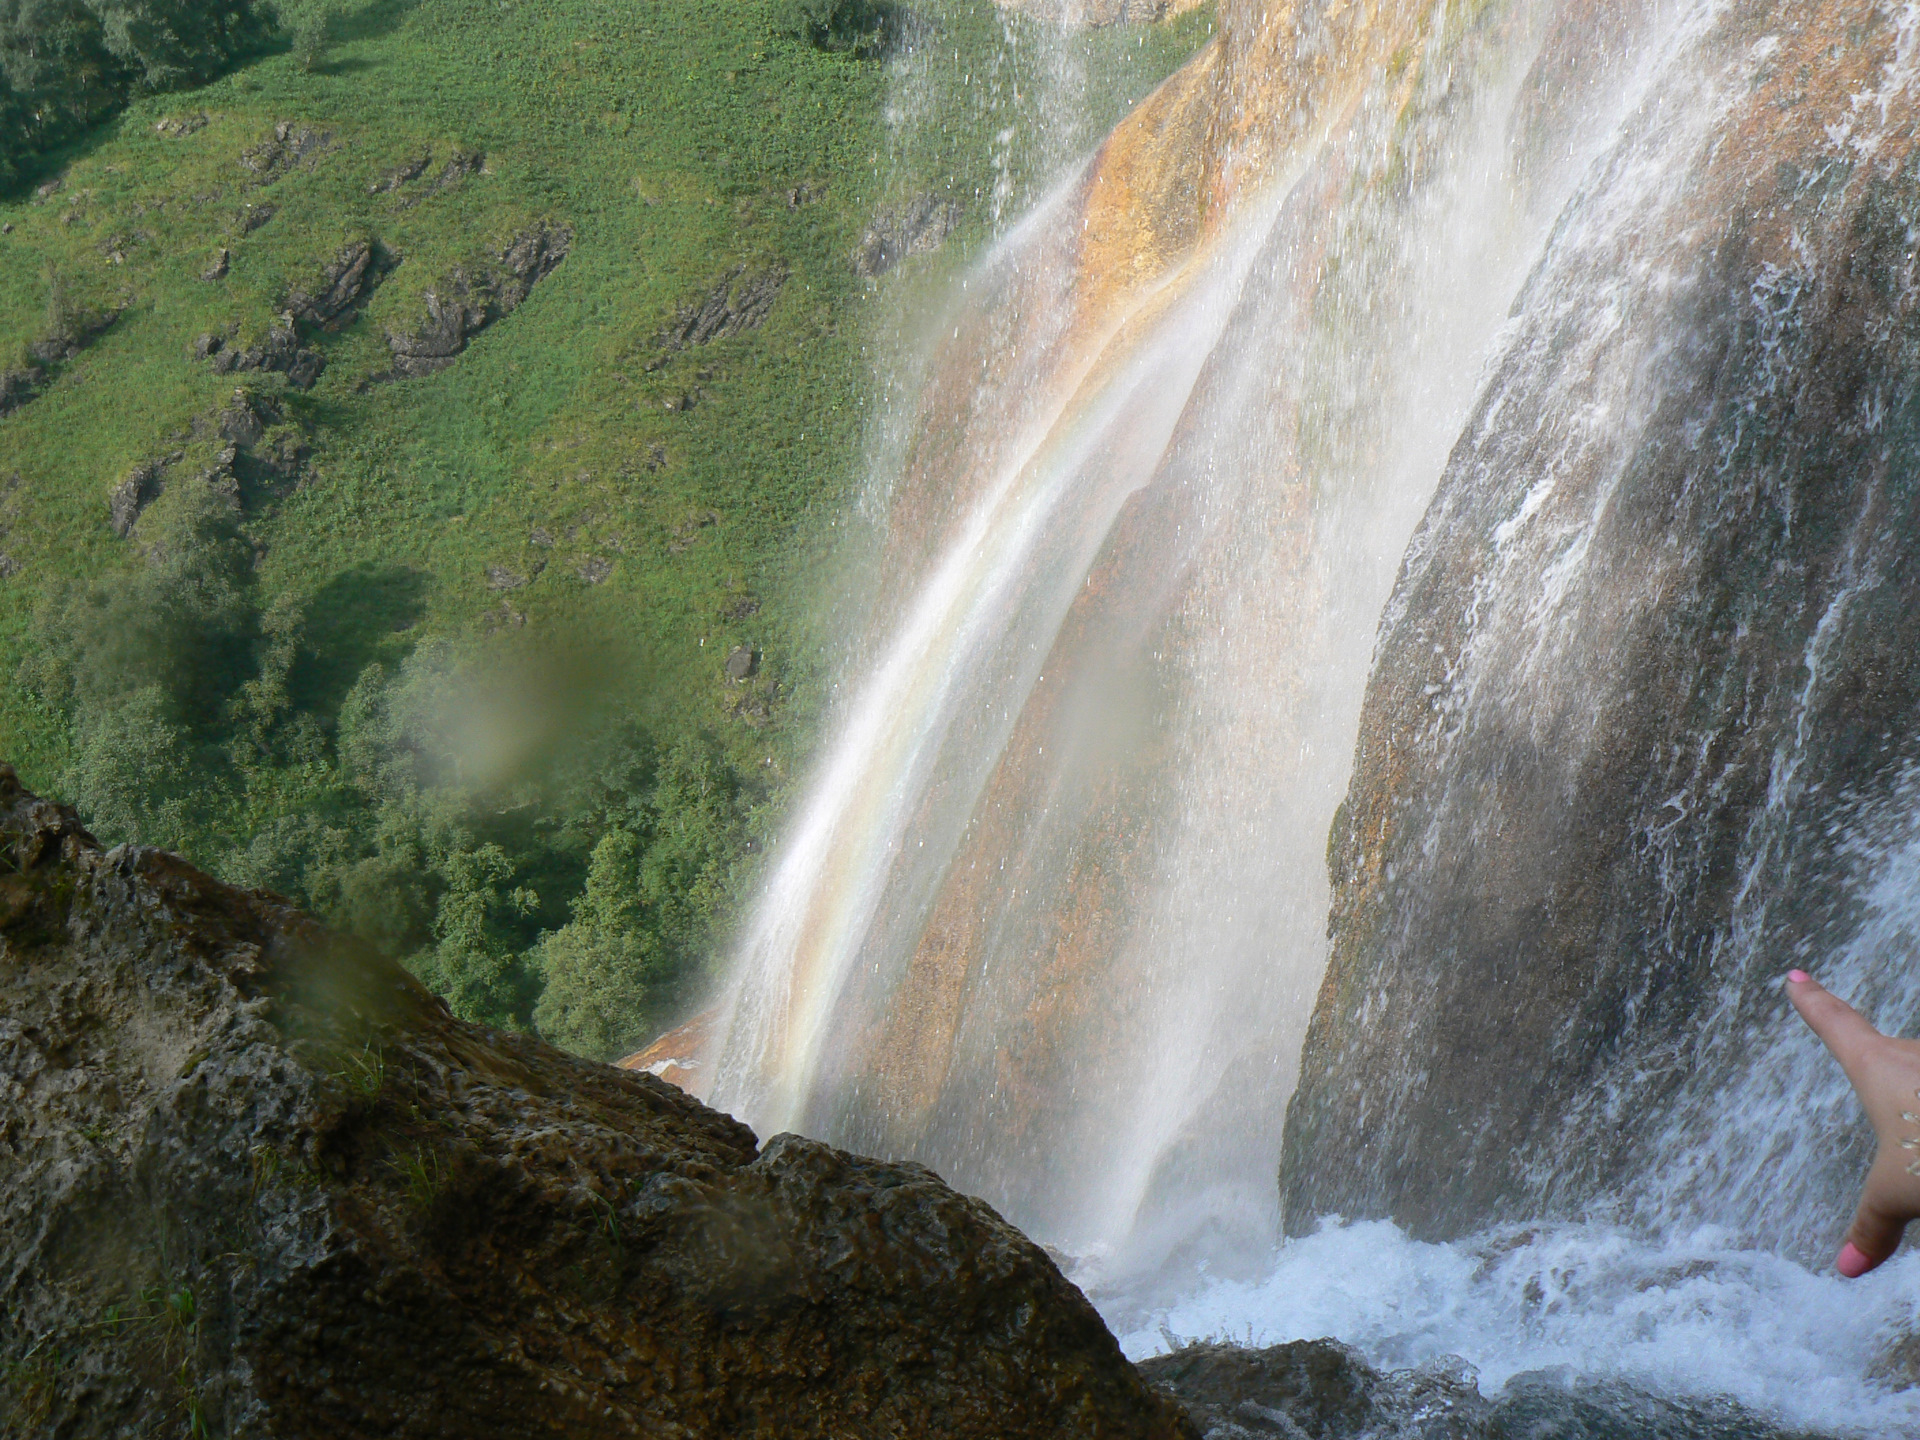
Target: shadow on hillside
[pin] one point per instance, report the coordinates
(370, 22)
(356, 619)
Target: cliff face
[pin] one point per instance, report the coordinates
(1644, 693)
(257, 1184)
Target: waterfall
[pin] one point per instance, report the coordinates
(1398, 429)
(1052, 913)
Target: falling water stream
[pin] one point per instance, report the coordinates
(1052, 915)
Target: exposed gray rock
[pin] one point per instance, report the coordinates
(256, 454)
(46, 355)
(407, 170)
(742, 663)
(344, 287)
(291, 144)
(741, 301)
(460, 166)
(279, 350)
(465, 303)
(217, 268)
(178, 127)
(140, 488)
(259, 1184)
(918, 227)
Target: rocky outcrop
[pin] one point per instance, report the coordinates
(342, 288)
(291, 145)
(133, 493)
(1639, 730)
(918, 227)
(740, 302)
(279, 351)
(466, 302)
(248, 451)
(44, 357)
(259, 1183)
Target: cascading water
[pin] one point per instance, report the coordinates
(1053, 913)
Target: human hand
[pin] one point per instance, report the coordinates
(1886, 1076)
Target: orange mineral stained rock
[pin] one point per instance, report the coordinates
(675, 1056)
(1054, 913)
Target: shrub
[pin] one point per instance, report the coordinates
(66, 65)
(861, 28)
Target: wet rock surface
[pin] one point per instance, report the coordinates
(465, 303)
(1322, 1390)
(1643, 696)
(257, 1183)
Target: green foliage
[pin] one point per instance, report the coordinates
(861, 28)
(339, 682)
(654, 895)
(144, 661)
(310, 36)
(67, 64)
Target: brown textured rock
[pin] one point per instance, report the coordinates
(259, 1184)
(1644, 686)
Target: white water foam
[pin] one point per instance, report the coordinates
(1682, 1315)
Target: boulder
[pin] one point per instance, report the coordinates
(259, 1183)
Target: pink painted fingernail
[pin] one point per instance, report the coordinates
(1799, 977)
(1853, 1261)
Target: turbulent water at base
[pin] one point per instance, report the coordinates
(1688, 1314)
(1052, 916)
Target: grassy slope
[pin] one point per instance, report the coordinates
(669, 136)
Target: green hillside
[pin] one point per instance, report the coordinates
(423, 447)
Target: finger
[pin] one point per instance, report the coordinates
(1845, 1031)
(1877, 1225)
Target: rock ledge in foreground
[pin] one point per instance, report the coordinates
(255, 1183)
